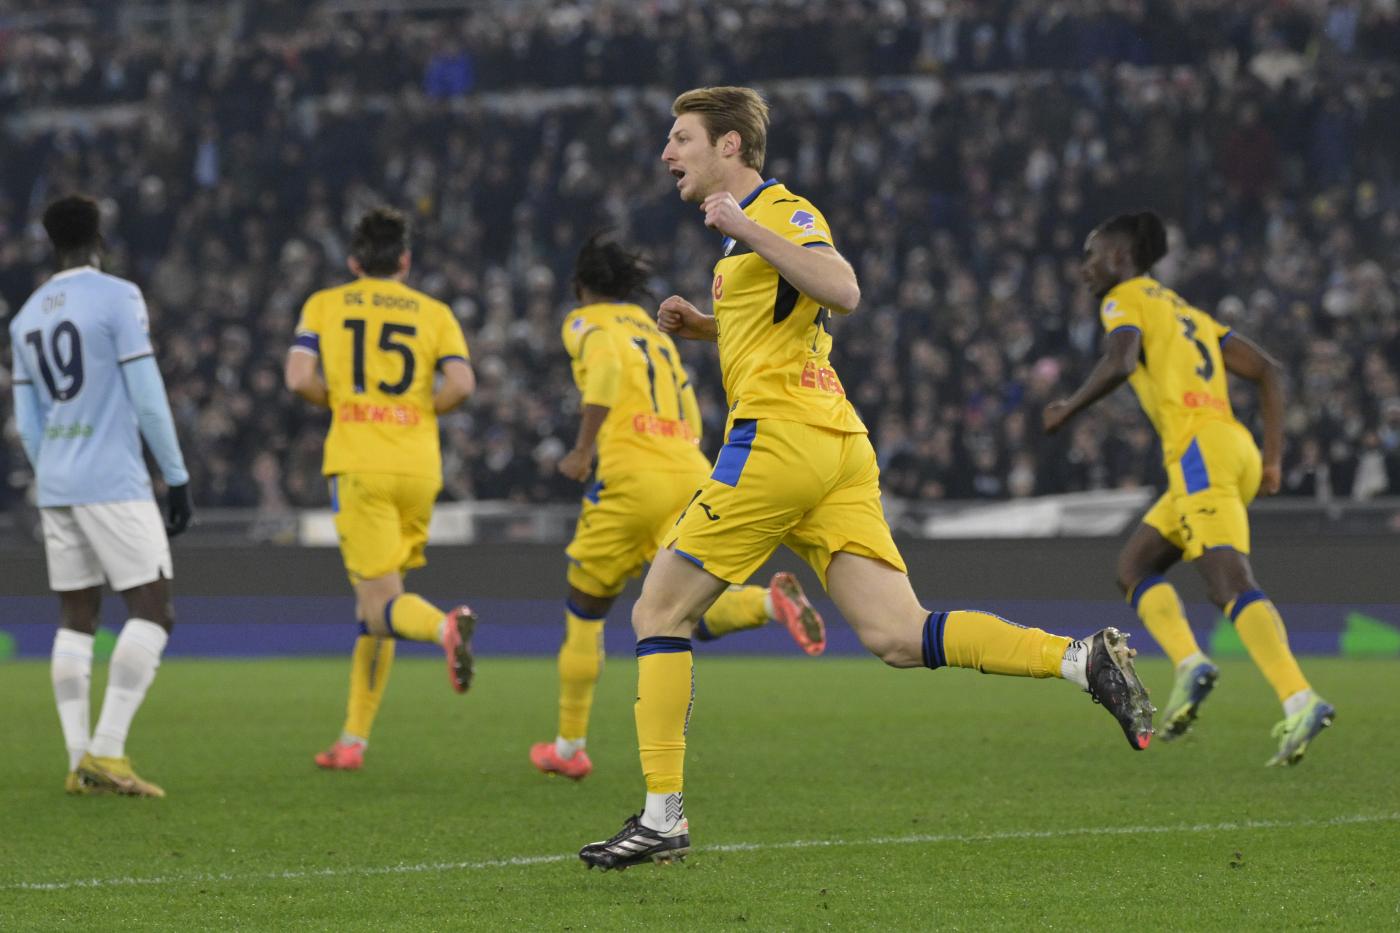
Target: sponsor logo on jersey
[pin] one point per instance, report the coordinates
(806, 221)
(1204, 400)
(821, 377)
(367, 413)
(718, 289)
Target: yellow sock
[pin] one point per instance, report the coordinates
(1261, 630)
(990, 644)
(369, 673)
(1160, 610)
(738, 608)
(413, 617)
(580, 664)
(665, 691)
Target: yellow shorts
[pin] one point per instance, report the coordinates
(621, 524)
(780, 482)
(382, 520)
(1208, 492)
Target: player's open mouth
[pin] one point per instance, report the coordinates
(679, 175)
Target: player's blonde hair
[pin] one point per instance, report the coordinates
(730, 110)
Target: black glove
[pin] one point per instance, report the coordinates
(178, 508)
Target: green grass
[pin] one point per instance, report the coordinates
(1005, 804)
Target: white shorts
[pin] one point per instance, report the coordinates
(121, 542)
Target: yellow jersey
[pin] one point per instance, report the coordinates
(774, 342)
(622, 361)
(1180, 377)
(380, 344)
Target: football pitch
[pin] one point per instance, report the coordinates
(823, 794)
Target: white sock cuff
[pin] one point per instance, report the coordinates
(73, 643)
(146, 634)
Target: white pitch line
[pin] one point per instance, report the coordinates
(527, 860)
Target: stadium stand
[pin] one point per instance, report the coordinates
(960, 173)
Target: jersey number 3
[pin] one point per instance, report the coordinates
(389, 343)
(1207, 368)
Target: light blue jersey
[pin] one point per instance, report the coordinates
(87, 390)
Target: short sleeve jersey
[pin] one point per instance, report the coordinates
(381, 344)
(774, 341)
(623, 362)
(1180, 377)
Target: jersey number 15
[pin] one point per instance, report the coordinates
(389, 343)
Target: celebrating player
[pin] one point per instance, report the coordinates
(380, 344)
(797, 468)
(1176, 357)
(87, 391)
(641, 419)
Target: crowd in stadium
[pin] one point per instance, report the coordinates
(961, 190)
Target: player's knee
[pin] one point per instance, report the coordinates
(650, 620)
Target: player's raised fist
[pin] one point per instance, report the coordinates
(680, 318)
(724, 214)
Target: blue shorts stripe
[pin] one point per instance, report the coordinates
(690, 557)
(335, 494)
(702, 631)
(1243, 600)
(1193, 469)
(389, 616)
(586, 616)
(1145, 584)
(662, 644)
(729, 465)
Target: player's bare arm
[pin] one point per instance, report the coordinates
(457, 385)
(820, 273)
(303, 376)
(1112, 370)
(679, 318)
(578, 463)
(1245, 358)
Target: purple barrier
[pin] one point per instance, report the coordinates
(267, 626)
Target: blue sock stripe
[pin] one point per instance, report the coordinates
(662, 644)
(389, 616)
(1243, 600)
(586, 616)
(702, 631)
(1145, 584)
(933, 640)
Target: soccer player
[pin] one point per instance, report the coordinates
(86, 392)
(641, 419)
(380, 345)
(797, 468)
(1176, 357)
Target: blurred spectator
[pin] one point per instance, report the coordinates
(961, 186)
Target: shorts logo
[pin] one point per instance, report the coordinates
(718, 289)
(1110, 311)
(708, 514)
(577, 324)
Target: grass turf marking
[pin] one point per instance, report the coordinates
(528, 860)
